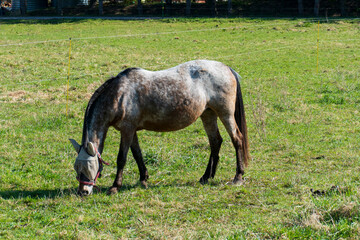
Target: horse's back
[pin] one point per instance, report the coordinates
(172, 99)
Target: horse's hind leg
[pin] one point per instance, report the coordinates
(136, 151)
(209, 119)
(236, 138)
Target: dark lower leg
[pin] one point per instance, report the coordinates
(118, 178)
(136, 151)
(212, 164)
(239, 169)
(235, 135)
(239, 159)
(126, 140)
(208, 171)
(209, 120)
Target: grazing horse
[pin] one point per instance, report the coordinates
(162, 101)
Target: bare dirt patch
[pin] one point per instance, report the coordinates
(314, 221)
(22, 96)
(16, 96)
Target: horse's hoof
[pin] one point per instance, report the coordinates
(203, 181)
(236, 182)
(144, 184)
(112, 191)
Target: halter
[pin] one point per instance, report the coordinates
(98, 175)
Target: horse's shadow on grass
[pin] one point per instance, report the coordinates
(161, 185)
(59, 193)
(37, 194)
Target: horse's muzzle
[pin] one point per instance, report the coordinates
(85, 185)
(85, 190)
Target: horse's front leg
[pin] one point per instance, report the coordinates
(126, 141)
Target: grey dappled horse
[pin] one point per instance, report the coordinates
(162, 101)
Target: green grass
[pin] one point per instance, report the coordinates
(303, 124)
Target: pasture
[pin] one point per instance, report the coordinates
(301, 89)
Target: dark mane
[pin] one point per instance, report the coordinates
(93, 99)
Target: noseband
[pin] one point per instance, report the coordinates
(84, 180)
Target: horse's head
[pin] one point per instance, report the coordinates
(88, 166)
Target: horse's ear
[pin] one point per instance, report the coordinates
(75, 145)
(91, 149)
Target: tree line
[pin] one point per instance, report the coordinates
(207, 7)
(273, 7)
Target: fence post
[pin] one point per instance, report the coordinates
(317, 8)
(101, 9)
(229, 7)
(213, 8)
(188, 7)
(23, 7)
(300, 7)
(68, 80)
(59, 6)
(140, 8)
(317, 55)
(162, 8)
(342, 8)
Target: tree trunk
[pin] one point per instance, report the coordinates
(342, 8)
(316, 7)
(22, 7)
(59, 6)
(229, 9)
(213, 8)
(101, 9)
(188, 7)
(301, 7)
(140, 8)
(168, 7)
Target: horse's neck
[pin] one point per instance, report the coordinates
(96, 133)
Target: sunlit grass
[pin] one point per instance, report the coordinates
(304, 129)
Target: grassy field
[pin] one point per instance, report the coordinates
(303, 113)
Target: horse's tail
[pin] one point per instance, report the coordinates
(240, 118)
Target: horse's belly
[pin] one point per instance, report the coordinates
(171, 105)
(164, 121)
(163, 127)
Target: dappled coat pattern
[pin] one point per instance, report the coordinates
(166, 100)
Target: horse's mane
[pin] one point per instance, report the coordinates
(94, 97)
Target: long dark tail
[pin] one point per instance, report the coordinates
(240, 119)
